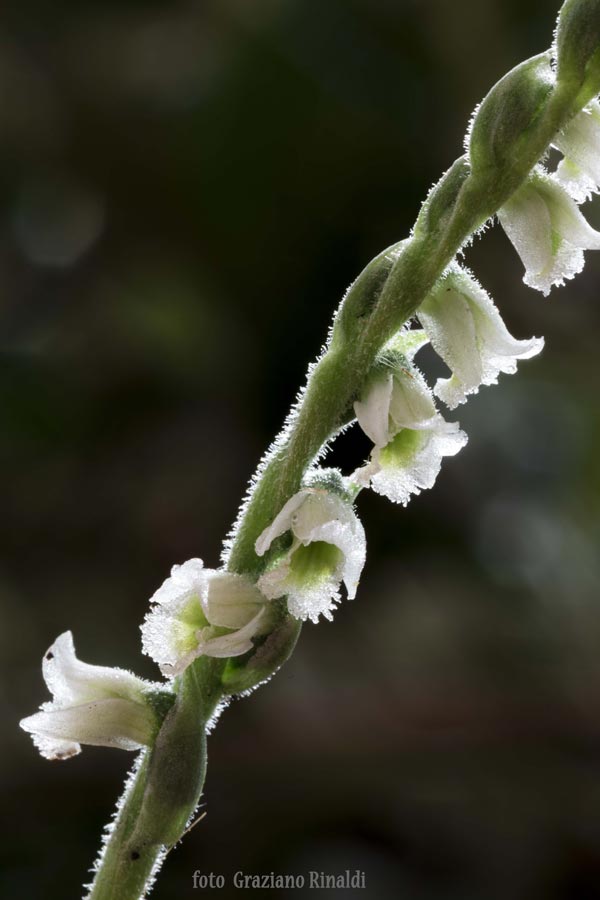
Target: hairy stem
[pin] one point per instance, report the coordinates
(378, 311)
(164, 793)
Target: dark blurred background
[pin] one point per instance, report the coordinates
(187, 190)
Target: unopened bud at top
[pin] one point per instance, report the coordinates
(578, 47)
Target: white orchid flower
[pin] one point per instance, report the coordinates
(548, 231)
(91, 705)
(467, 331)
(398, 413)
(202, 612)
(328, 546)
(579, 142)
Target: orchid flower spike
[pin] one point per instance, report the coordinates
(398, 413)
(327, 545)
(202, 612)
(467, 331)
(579, 142)
(548, 231)
(92, 705)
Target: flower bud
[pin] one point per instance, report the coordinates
(507, 116)
(327, 546)
(467, 331)
(203, 612)
(92, 705)
(578, 47)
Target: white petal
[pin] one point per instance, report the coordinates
(281, 523)
(304, 601)
(236, 643)
(548, 231)
(467, 331)
(330, 519)
(373, 411)
(412, 462)
(232, 601)
(567, 219)
(576, 183)
(110, 722)
(412, 405)
(72, 681)
(323, 518)
(580, 142)
(188, 578)
(168, 633)
(448, 321)
(315, 602)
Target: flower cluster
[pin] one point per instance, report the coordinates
(316, 543)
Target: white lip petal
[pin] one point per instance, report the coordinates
(312, 603)
(113, 722)
(574, 180)
(418, 470)
(347, 534)
(167, 634)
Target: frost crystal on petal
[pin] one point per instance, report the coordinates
(467, 331)
(412, 460)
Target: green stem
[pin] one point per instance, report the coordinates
(383, 298)
(163, 792)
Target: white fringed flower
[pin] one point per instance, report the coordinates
(579, 142)
(548, 231)
(202, 612)
(467, 331)
(90, 705)
(411, 438)
(328, 546)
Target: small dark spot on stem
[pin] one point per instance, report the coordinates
(135, 854)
